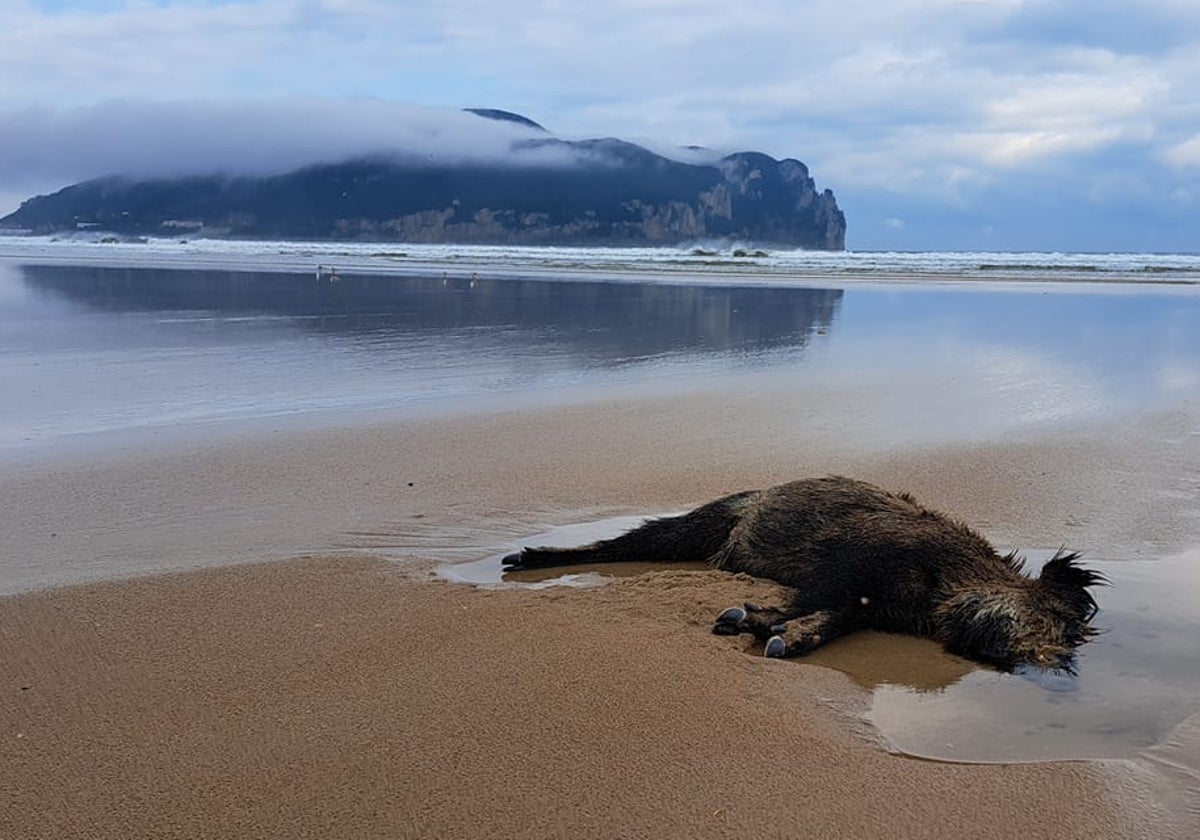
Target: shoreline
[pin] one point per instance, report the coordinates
(372, 484)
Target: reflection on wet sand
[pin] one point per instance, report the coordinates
(613, 321)
(106, 349)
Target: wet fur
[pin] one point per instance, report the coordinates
(856, 556)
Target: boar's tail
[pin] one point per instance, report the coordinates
(692, 537)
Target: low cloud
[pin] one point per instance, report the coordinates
(43, 149)
(1185, 155)
(45, 146)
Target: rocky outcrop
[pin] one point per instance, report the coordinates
(551, 191)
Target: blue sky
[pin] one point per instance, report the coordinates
(939, 124)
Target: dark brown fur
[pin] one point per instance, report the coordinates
(856, 557)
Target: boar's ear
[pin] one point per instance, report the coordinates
(1063, 576)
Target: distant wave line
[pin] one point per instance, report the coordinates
(704, 262)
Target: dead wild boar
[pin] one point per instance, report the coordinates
(856, 556)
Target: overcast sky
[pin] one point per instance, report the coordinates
(939, 124)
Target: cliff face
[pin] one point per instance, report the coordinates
(592, 192)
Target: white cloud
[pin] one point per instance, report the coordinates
(1119, 187)
(243, 136)
(1014, 148)
(1182, 196)
(1068, 100)
(1184, 155)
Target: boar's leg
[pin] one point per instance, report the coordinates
(752, 618)
(798, 636)
(693, 537)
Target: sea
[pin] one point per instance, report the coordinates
(104, 337)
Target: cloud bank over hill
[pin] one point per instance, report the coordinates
(143, 139)
(44, 148)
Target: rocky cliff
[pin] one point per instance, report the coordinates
(548, 192)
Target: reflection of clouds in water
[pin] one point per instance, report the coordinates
(11, 289)
(911, 390)
(1027, 357)
(1176, 368)
(1030, 386)
(367, 343)
(1178, 376)
(1164, 590)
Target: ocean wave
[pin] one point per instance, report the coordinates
(694, 259)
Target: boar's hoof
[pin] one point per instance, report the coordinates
(729, 623)
(733, 615)
(776, 647)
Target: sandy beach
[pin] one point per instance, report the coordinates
(349, 692)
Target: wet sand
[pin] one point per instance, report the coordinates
(345, 695)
